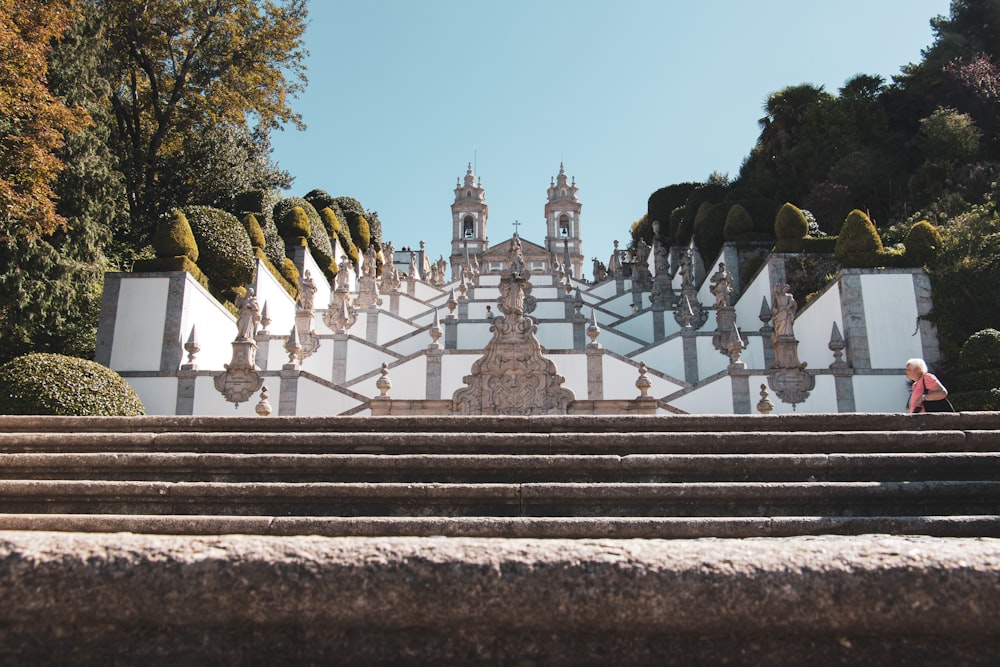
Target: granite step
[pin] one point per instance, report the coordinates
(701, 499)
(446, 442)
(500, 468)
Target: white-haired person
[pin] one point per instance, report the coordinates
(926, 387)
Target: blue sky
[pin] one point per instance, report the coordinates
(631, 95)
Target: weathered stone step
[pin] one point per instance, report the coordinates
(508, 424)
(532, 499)
(713, 442)
(479, 468)
(509, 527)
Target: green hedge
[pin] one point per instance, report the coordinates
(739, 223)
(54, 384)
(173, 237)
(319, 242)
(227, 257)
(923, 244)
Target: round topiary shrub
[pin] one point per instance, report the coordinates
(54, 384)
(976, 384)
(320, 199)
(790, 223)
(173, 237)
(360, 231)
(923, 244)
(294, 226)
(858, 244)
(227, 257)
(255, 234)
(738, 223)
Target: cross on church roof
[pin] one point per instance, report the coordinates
(516, 226)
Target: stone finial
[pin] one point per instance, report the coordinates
(593, 331)
(568, 285)
(643, 383)
(383, 384)
(265, 320)
(463, 289)
(764, 405)
(192, 347)
(292, 347)
(435, 332)
(452, 304)
(685, 314)
(577, 305)
(765, 314)
(837, 346)
(263, 407)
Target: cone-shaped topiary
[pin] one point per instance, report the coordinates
(54, 384)
(330, 222)
(923, 244)
(173, 237)
(256, 234)
(738, 223)
(790, 224)
(858, 244)
(360, 232)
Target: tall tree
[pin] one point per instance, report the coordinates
(177, 67)
(33, 121)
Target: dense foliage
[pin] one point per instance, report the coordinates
(54, 384)
(225, 253)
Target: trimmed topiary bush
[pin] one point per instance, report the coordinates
(173, 237)
(790, 227)
(923, 244)
(227, 257)
(294, 226)
(54, 384)
(320, 199)
(976, 384)
(738, 223)
(360, 231)
(858, 244)
(255, 234)
(261, 204)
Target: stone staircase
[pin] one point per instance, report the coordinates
(648, 477)
(849, 537)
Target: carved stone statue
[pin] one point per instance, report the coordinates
(248, 316)
(307, 291)
(515, 259)
(414, 272)
(344, 273)
(783, 309)
(370, 263)
(722, 286)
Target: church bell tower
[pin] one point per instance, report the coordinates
(562, 221)
(468, 214)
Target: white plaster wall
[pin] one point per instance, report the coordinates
(422, 291)
(280, 305)
(362, 358)
(314, 399)
(555, 336)
(473, 335)
(389, 328)
(753, 355)
(489, 280)
(620, 377)
(549, 310)
(318, 363)
(748, 306)
(408, 306)
(573, 367)
(667, 357)
(891, 319)
(640, 326)
(814, 325)
(545, 292)
(621, 306)
(880, 393)
(604, 290)
(712, 399)
(215, 326)
(409, 381)
(822, 399)
(710, 360)
(616, 343)
(141, 315)
(453, 368)
(418, 341)
(158, 395)
(209, 401)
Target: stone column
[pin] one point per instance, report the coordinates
(394, 302)
(843, 382)
(433, 387)
(288, 392)
(450, 333)
(659, 325)
(740, 378)
(371, 331)
(689, 338)
(186, 381)
(852, 305)
(595, 373)
(263, 350)
(928, 332)
(339, 358)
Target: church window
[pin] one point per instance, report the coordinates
(468, 194)
(564, 226)
(468, 227)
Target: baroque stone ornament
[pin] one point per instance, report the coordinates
(764, 405)
(342, 313)
(241, 379)
(513, 377)
(368, 294)
(192, 347)
(789, 379)
(263, 407)
(383, 383)
(695, 315)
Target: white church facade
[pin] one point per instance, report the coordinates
(655, 337)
